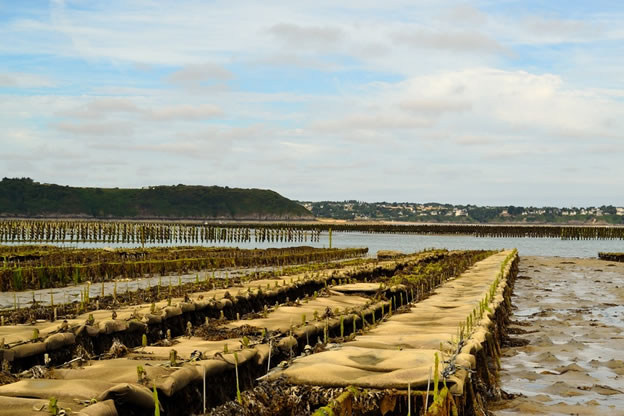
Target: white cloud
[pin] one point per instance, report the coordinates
(99, 108)
(185, 112)
(112, 105)
(296, 60)
(363, 122)
(557, 27)
(97, 128)
(208, 143)
(315, 37)
(457, 42)
(24, 80)
(195, 75)
(302, 149)
(474, 140)
(434, 106)
(465, 14)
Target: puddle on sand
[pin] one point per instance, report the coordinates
(527, 312)
(612, 316)
(571, 364)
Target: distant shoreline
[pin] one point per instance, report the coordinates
(300, 221)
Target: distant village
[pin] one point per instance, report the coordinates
(435, 212)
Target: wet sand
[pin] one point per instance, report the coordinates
(570, 314)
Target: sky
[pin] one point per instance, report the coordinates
(488, 102)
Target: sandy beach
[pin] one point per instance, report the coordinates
(564, 355)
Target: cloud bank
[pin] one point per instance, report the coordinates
(465, 102)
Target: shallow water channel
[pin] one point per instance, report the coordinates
(68, 294)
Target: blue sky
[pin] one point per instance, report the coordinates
(484, 102)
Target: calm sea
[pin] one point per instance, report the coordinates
(411, 243)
